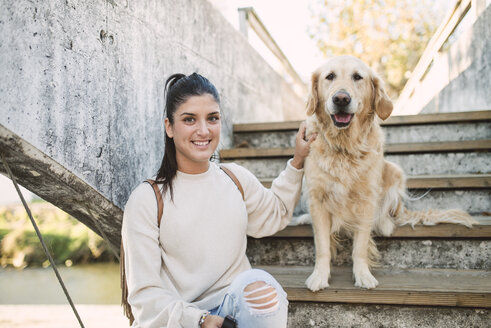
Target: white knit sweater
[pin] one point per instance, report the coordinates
(174, 275)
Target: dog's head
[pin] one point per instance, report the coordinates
(345, 88)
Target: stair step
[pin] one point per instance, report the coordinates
(408, 148)
(443, 230)
(448, 253)
(416, 129)
(439, 118)
(442, 181)
(349, 315)
(432, 287)
(411, 164)
(473, 201)
(393, 134)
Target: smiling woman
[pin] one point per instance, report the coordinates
(196, 133)
(184, 240)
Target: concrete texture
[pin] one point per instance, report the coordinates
(83, 83)
(324, 315)
(460, 79)
(473, 201)
(393, 134)
(412, 164)
(395, 252)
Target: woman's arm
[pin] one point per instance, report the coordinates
(270, 210)
(154, 300)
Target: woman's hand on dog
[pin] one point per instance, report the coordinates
(302, 146)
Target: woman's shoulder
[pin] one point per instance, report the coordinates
(141, 194)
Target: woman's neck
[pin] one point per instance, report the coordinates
(193, 168)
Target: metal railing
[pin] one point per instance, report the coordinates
(433, 51)
(249, 18)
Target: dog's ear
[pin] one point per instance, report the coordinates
(313, 100)
(380, 101)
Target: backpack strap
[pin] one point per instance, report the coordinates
(160, 201)
(234, 179)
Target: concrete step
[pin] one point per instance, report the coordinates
(404, 298)
(473, 201)
(442, 181)
(442, 246)
(348, 315)
(412, 164)
(398, 129)
(430, 287)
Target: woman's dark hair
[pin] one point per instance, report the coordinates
(178, 89)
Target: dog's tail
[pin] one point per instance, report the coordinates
(433, 217)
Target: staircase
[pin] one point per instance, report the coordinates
(436, 276)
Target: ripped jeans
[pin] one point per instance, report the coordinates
(256, 300)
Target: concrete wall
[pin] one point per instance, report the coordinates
(82, 82)
(460, 79)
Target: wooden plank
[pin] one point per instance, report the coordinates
(419, 147)
(256, 152)
(446, 181)
(449, 181)
(270, 126)
(448, 146)
(431, 287)
(443, 230)
(438, 118)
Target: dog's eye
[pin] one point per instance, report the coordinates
(331, 76)
(357, 77)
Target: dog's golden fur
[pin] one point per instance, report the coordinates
(351, 187)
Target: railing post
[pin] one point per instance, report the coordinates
(243, 25)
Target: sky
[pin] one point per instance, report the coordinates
(287, 22)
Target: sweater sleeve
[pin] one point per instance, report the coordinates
(154, 300)
(269, 210)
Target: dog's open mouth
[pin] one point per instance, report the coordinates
(341, 119)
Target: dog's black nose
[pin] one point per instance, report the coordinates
(341, 98)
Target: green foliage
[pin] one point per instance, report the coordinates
(389, 35)
(68, 240)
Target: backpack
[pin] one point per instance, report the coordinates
(160, 211)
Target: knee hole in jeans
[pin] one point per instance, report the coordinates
(261, 298)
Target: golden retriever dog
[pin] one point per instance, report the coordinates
(351, 187)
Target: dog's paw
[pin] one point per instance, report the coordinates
(365, 280)
(317, 281)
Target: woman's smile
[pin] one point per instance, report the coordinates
(201, 144)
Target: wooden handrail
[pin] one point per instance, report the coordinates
(249, 17)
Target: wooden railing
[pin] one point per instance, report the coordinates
(434, 49)
(249, 18)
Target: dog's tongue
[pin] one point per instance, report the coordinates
(342, 118)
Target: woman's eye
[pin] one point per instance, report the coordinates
(188, 120)
(357, 77)
(214, 118)
(331, 76)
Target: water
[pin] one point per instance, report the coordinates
(87, 284)
(33, 298)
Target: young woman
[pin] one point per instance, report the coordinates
(193, 270)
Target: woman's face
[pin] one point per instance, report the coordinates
(196, 132)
